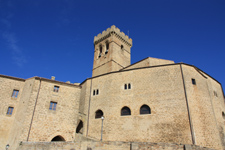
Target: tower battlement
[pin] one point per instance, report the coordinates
(113, 30)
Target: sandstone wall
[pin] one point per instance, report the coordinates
(147, 62)
(94, 145)
(46, 123)
(161, 88)
(7, 85)
(204, 107)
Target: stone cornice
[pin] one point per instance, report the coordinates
(113, 31)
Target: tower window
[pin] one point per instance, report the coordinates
(107, 48)
(145, 109)
(125, 111)
(193, 81)
(52, 106)
(100, 51)
(98, 114)
(10, 111)
(15, 93)
(121, 46)
(56, 88)
(97, 92)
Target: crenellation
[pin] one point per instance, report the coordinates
(112, 31)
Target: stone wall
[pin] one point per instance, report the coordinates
(93, 145)
(7, 85)
(161, 88)
(47, 123)
(203, 108)
(147, 62)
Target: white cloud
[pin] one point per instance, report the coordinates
(17, 54)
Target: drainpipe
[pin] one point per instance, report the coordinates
(189, 115)
(34, 110)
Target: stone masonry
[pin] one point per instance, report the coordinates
(151, 104)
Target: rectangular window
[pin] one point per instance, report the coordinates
(193, 81)
(52, 106)
(56, 89)
(15, 93)
(10, 111)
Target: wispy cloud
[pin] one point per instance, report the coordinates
(17, 54)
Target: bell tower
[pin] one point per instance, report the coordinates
(112, 51)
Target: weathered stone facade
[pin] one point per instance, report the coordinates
(184, 105)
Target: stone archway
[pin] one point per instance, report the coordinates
(58, 138)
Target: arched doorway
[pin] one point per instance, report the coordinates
(57, 138)
(80, 127)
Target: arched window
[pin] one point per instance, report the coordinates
(98, 114)
(125, 86)
(58, 138)
(145, 109)
(80, 127)
(129, 86)
(125, 111)
(100, 51)
(223, 114)
(94, 92)
(107, 47)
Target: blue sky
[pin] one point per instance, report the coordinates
(55, 37)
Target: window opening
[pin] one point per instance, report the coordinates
(125, 111)
(15, 93)
(80, 127)
(223, 115)
(58, 138)
(97, 92)
(52, 106)
(94, 92)
(100, 51)
(121, 46)
(145, 109)
(107, 48)
(125, 86)
(98, 114)
(56, 88)
(129, 86)
(10, 111)
(193, 81)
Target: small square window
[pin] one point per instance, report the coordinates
(56, 89)
(193, 81)
(10, 111)
(15, 93)
(52, 106)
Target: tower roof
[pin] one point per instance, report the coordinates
(113, 30)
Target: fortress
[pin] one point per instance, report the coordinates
(151, 104)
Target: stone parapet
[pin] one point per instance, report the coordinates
(112, 31)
